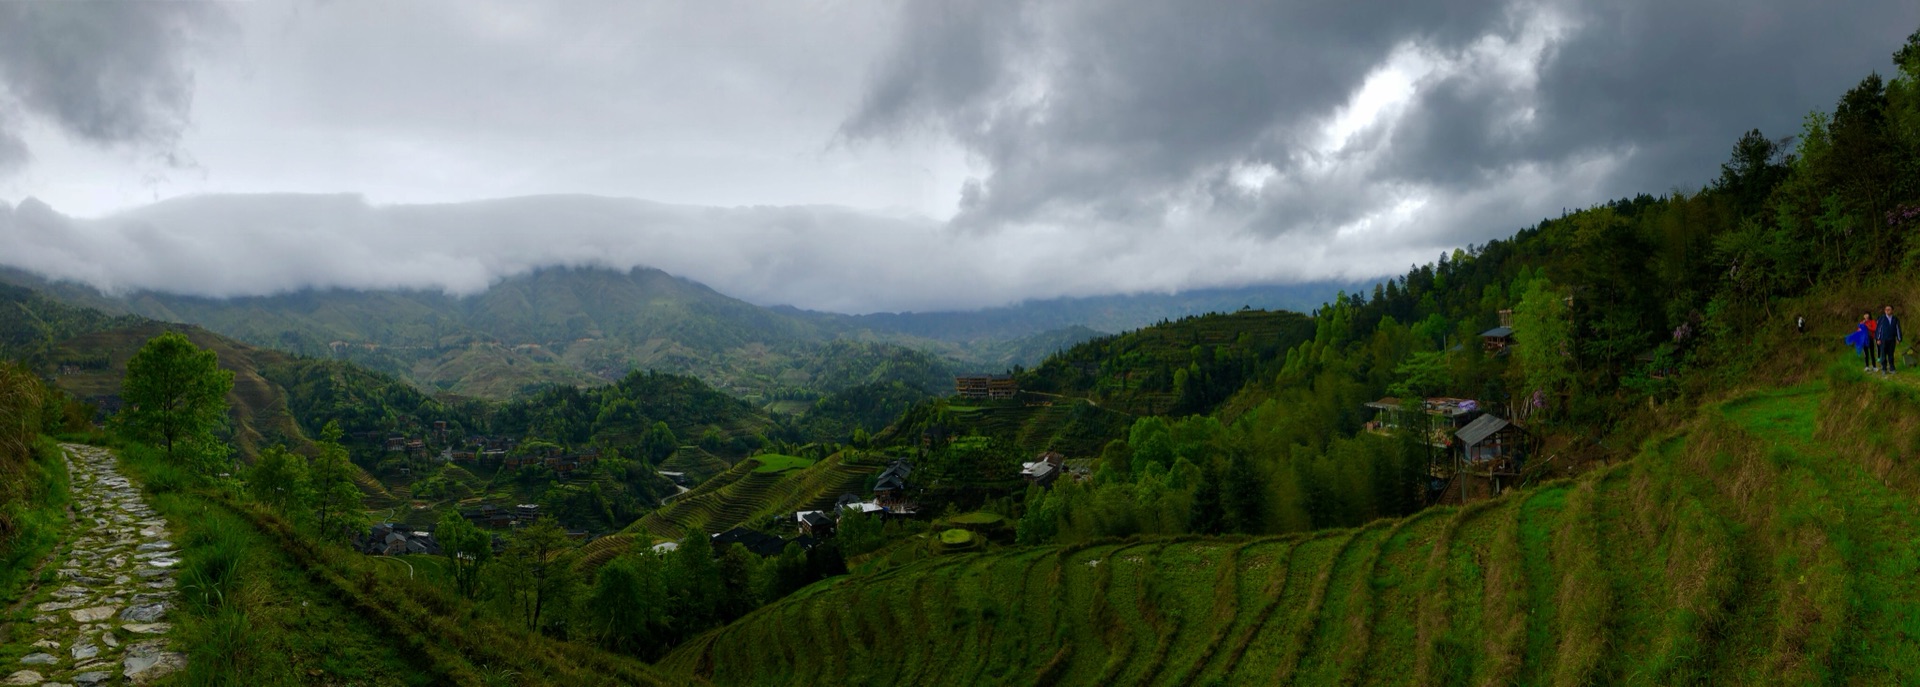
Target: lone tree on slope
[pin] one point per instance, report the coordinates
(176, 396)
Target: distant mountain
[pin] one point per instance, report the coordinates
(553, 326)
(582, 326)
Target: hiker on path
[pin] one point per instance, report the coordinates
(1889, 335)
(1862, 340)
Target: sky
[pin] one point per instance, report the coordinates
(867, 156)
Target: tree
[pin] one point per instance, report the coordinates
(659, 443)
(468, 549)
(336, 499)
(176, 396)
(279, 479)
(695, 577)
(1208, 515)
(736, 582)
(627, 608)
(539, 570)
(1542, 340)
(1242, 497)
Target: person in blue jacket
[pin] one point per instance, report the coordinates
(1888, 335)
(1862, 340)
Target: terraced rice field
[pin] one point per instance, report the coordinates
(750, 491)
(1776, 541)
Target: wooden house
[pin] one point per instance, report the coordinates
(1497, 339)
(815, 523)
(890, 489)
(1437, 416)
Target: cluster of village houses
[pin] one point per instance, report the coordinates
(891, 497)
(436, 445)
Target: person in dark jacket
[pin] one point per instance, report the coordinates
(1888, 334)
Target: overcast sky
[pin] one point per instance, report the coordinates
(868, 156)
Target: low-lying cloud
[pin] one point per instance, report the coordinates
(825, 258)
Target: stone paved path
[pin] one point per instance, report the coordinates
(104, 622)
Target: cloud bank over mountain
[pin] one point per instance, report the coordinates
(1024, 149)
(821, 257)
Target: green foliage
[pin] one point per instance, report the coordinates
(279, 479)
(659, 443)
(1545, 351)
(631, 412)
(468, 550)
(176, 397)
(627, 608)
(536, 575)
(860, 533)
(336, 499)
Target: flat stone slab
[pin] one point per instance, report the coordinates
(146, 662)
(93, 615)
(93, 678)
(40, 659)
(147, 628)
(23, 677)
(144, 613)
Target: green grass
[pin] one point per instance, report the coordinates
(774, 462)
(38, 517)
(978, 518)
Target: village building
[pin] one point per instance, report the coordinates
(392, 539)
(1497, 339)
(890, 489)
(985, 386)
(758, 543)
(815, 523)
(1044, 469)
(1438, 416)
(1486, 458)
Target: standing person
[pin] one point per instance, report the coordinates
(1873, 341)
(1889, 335)
(1862, 340)
(1800, 323)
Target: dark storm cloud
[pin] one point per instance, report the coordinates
(1133, 112)
(110, 73)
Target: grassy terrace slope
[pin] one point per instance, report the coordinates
(1774, 541)
(753, 489)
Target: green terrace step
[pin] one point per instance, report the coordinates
(1746, 550)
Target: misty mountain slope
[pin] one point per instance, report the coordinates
(1763, 544)
(552, 326)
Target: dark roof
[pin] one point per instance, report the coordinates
(847, 500)
(759, 543)
(1498, 332)
(894, 477)
(1478, 430)
(815, 518)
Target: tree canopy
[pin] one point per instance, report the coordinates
(176, 397)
